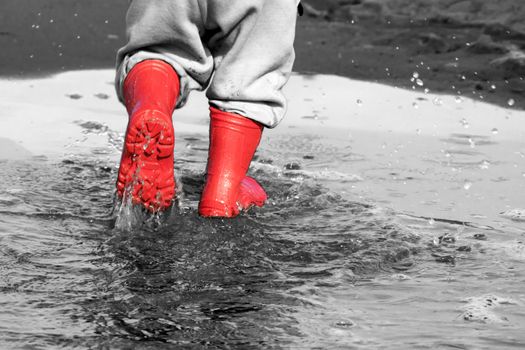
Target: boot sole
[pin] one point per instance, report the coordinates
(146, 167)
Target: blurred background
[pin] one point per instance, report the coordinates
(469, 47)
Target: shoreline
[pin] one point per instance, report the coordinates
(449, 159)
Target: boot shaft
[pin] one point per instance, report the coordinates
(233, 141)
(151, 85)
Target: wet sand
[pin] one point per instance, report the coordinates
(457, 47)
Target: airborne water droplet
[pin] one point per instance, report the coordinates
(467, 185)
(465, 123)
(495, 131)
(484, 164)
(511, 102)
(359, 102)
(415, 105)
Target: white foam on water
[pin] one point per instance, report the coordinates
(516, 214)
(299, 175)
(485, 309)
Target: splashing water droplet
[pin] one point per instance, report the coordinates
(415, 105)
(415, 75)
(495, 131)
(437, 101)
(426, 91)
(419, 82)
(472, 143)
(431, 221)
(359, 102)
(465, 123)
(485, 164)
(493, 87)
(418, 131)
(467, 185)
(459, 99)
(511, 102)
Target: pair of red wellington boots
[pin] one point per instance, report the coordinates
(146, 169)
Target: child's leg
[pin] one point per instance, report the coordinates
(162, 62)
(253, 57)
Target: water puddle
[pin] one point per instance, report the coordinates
(314, 268)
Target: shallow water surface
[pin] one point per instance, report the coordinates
(318, 267)
(388, 226)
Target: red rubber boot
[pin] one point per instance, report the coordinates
(233, 141)
(146, 174)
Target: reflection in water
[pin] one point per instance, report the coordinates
(301, 272)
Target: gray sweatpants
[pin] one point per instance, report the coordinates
(242, 50)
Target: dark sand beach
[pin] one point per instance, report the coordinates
(472, 48)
